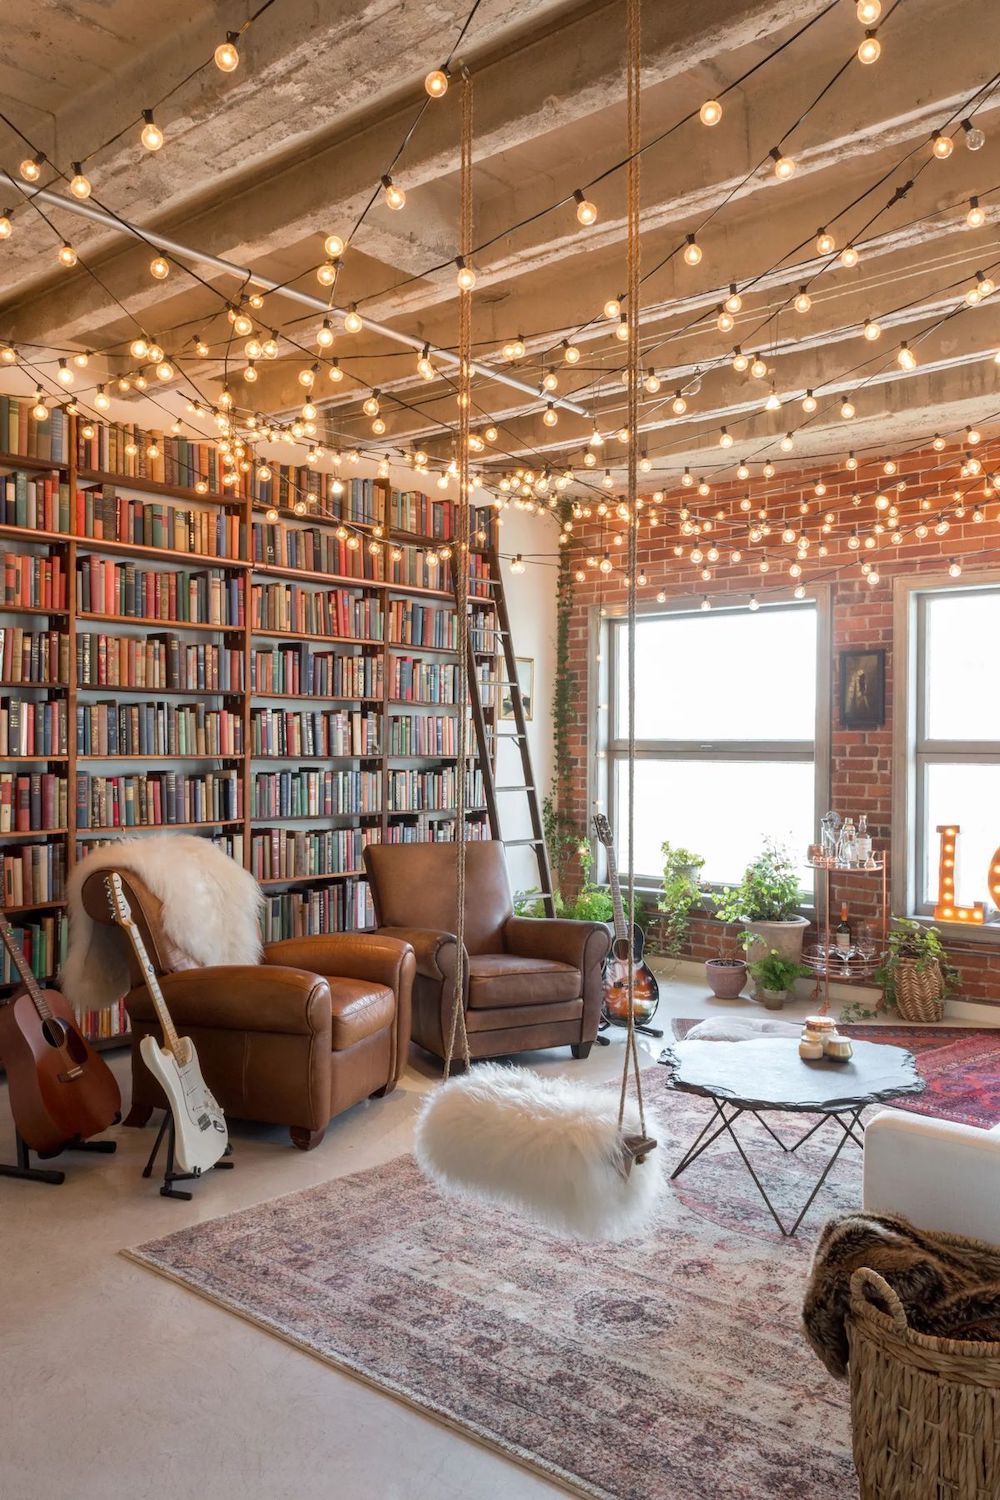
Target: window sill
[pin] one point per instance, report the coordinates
(985, 935)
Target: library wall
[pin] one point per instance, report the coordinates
(862, 616)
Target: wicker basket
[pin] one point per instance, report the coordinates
(925, 1412)
(919, 991)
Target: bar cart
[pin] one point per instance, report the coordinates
(862, 960)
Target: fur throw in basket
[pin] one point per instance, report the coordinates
(949, 1285)
(211, 909)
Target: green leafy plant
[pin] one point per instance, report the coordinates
(768, 892)
(680, 893)
(775, 972)
(592, 903)
(908, 939)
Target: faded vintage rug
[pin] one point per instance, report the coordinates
(960, 1065)
(668, 1368)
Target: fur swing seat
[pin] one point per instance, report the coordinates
(547, 1148)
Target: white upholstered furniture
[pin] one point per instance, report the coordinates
(938, 1174)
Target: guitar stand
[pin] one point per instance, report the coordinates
(24, 1169)
(167, 1189)
(603, 1025)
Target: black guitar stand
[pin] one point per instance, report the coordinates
(24, 1169)
(605, 1025)
(167, 1189)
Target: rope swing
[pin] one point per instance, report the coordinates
(560, 1152)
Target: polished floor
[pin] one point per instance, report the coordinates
(118, 1385)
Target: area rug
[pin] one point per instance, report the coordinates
(667, 1368)
(960, 1066)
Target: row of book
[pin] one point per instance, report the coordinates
(314, 550)
(297, 733)
(427, 791)
(111, 728)
(427, 570)
(286, 854)
(421, 515)
(157, 799)
(425, 830)
(23, 434)
(413, 679)
(347, 499)
(106, 1024)
(35, 502)
(29, 728)
(228, 840)
(130, 591)
(413, 624)
(159, 663)
(341, 906)
(32, 873)
(43, 943)
(34, 656)
(31, 800)
(299, 671)
(288, 607)
(104, 515)
(133, 452)
(423, 734)
(33, 582)
(314, 793)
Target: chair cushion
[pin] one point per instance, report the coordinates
(359, 1010)
(502, 979)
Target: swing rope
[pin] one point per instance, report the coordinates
(461, 561)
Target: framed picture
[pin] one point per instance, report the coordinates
(862, 689)
(526, 678)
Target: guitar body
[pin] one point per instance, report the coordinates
(200, 1135)
(61, 1090)
(626, 953)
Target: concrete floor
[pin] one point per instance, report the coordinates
(119, 1384)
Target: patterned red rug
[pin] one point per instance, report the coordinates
(960, 1066)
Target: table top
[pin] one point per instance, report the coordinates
(768, 1073)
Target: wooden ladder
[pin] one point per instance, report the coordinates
(526, 787)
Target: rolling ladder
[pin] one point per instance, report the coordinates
(526, 787)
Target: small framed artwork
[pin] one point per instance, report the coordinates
(526, 678)
(862, 689)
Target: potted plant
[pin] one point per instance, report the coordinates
(726, 977)
(773, 975)
(915, 974)
(766, 904)
(680, 892)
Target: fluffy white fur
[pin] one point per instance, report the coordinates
(740, 1029)
(544, 1147)
(211, 907)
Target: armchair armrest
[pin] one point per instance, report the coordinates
(435, 950)
(370, 956)
(580, 944)
(236, 997)
(936, 1173)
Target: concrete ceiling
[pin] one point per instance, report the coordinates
(259, 165)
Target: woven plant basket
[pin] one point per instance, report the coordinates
(919, 992)
(925, 1412)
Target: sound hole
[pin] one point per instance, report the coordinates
(53, 1032)
(621, 949)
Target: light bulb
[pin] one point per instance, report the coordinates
(571, 353)
(79, 185)
(64, 374)
(942, 145)
(227, 57)
(784, 166)
(752, 602)
(955, 568)
(326, 274)
(550, 381)
(651, 384)
(871, 48)
(692, 251)
(550, 416)
(67, 255)
(787, 444)
(395, 198)
(803, 301)
(906, 359)
(101, 399)
(768, 470)
(975, 218)
(825, 242)
(82, 359)
(758, 368)
(39, 411)
(710, 112)
(335, 373)
(378, 426)
(155, 353)
(353, 322)
(250, 373)
(159, 268)
(612, 308)
(734, 301)
(678, 405)
(849, 257)
(150, 135)
(938, 444)
(740, 360)
(809, 402)
(621, 332)
(847, 408)
(517, 564)
(725, 439)
(436, 83)
(869, 11)
(333, 246)
(725, 322)
(586, 211)
(370, 406)
(6, 224)
(306, 378)
(872, 330)
(975, 140)
(743, 472)
(466, 277)
(986, 286)
(164, 370)
(324, 334)
(31, 168)
(773, 402)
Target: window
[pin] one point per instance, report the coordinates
(731, 733)
(955, 739)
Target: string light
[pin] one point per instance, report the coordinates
(67, 255)
(550, 416)
(825, 242)
(571, 353)
(395, 198)
(159, 268)
(869, 11)
(955, 568)
(353, 322)
(803, 302)
(586, 211)
(753, 603)
(734, 301)
(941, 145)
(692, 251)
(39, 411)
(975, 140)
(678, 405)
(872, 330)
(6, 224)
(101, 399)
(976, 217)
(870, 49)
(31, 168)
(847, 408)
(710, 112)
(64, 374)
(651, 384)
(436, 83)
(79, 185)
(849, 257)
(740, 360)
(150, 135)
(227, 57)
(784, 166)
(906, 359)
(725, 322)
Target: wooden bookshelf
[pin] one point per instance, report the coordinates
(244, 639)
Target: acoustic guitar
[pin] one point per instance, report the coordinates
(200, 1135)
(61, 1090)
(626, 952)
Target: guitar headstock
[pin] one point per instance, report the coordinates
(603, 830)
(118, 905)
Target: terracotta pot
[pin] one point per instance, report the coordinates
(771, 999)
(784, 937)
(725, 976)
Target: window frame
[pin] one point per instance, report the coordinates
(606, 751)
(913, 750)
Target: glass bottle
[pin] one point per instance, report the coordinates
(847, 847)
(864, 840)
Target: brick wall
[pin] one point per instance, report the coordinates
(861, 771)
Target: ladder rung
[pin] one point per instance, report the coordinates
(517, 786)
(502, 736)
(521, 843)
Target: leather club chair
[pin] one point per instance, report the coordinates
(322, 1023)
(531, 982)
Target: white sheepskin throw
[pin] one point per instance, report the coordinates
(741, 1029)
(211, 907)
(545, 1147)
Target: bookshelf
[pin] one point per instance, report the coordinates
(172, 657)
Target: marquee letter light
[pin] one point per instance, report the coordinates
(946, 909)
(993, 879)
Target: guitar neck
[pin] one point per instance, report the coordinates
(23, 968)
(170, 1038)
(621, 928)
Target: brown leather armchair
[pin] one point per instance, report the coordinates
(530, 981)
(321, 1024)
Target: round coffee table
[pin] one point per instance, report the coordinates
(767, 1074)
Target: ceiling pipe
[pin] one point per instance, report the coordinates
(108, 220)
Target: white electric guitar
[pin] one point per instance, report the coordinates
(201, 1137)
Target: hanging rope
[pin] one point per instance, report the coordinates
(461, 563)
(633, 55)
